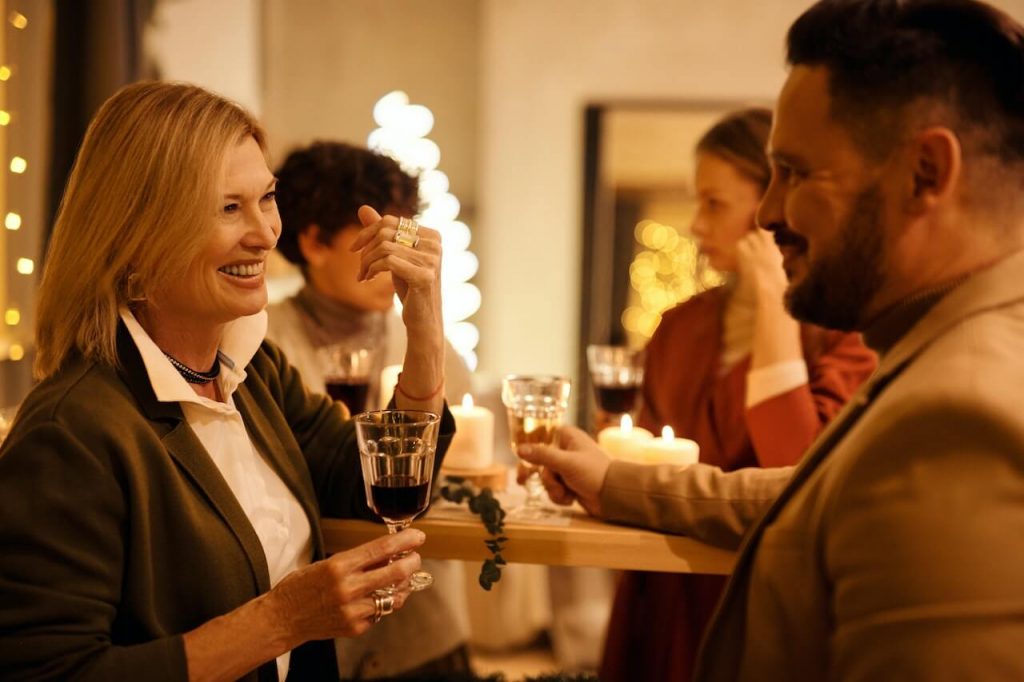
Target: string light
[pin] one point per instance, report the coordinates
(18, 20)
(16, 352)
(12, 316)
(5, 117)
(5, 73)
(12, 221)
(26, 266)
(18, 165)
(402, 136)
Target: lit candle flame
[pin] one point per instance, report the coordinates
(467, 401)
(626, 424)
(667, 433)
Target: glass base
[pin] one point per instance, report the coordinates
(532, 513)
(420, 580)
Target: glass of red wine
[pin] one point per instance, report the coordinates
(617, 373)
(396, 449)
(347, 371)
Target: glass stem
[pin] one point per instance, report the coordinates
(534, 488)
(395, 527)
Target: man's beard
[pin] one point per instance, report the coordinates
(840, 283)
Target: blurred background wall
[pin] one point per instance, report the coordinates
(507, 80)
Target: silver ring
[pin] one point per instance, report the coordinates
(408, 225)
(406, 232)
(383, 605)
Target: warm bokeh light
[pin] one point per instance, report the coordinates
(663, 274)
(402, 136)
(12, 221)
(5, 117)
(12, 316)
(15, 352)
(5, 73)
(18, 20)
(18, 165)
(26, 266)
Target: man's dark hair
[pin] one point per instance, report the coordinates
(325, 183)
(883, 55)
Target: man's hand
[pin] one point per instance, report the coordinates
(573, 470)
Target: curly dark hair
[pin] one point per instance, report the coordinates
(325, 183)
(883, 56)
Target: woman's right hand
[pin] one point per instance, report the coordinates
(328, 598)
(334, 597)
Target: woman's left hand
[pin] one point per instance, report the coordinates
(759, 262)
(416, 271)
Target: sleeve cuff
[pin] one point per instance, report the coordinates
(767, 382)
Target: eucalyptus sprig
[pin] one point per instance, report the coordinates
(483, 503)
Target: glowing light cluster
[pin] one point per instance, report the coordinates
(10, 348)
(665, 272)
(402, 135)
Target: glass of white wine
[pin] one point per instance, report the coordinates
(536, 406)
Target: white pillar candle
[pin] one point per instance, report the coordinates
(670, 450)
(624, 441)
(473, 444)
(388, 379)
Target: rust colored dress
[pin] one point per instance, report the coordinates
(658, 618)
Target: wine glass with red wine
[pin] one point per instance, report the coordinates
(396, 448)
(617, 373)
(347, 372)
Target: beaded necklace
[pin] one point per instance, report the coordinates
(193, 376)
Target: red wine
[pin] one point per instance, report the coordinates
(351, 392)
(616, 398)
(397, 498)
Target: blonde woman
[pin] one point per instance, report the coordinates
(160, 490)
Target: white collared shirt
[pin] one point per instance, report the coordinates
(272, 509)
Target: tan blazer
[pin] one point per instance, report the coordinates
(895, 550)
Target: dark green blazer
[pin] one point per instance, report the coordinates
(118, 533)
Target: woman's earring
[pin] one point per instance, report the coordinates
(133, 289)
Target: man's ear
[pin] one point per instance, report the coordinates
(313, 250)
(935, 166)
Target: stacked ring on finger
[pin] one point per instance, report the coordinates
(406, 233)
(383, 605)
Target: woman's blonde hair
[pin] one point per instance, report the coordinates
(135, 214)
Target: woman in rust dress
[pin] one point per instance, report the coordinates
(732, 370)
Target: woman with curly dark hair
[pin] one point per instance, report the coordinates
(320, 189)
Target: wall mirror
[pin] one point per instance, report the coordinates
(638, 256)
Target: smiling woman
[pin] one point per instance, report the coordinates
(164, 427)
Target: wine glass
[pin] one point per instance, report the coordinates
(535, 406)
(616, 372)
(396, 449)
(347, 371)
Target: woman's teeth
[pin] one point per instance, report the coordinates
(243, 270)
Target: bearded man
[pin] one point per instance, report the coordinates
(895, 550)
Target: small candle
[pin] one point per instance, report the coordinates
(472, 446)
(624, 441)
(670, 450)
(388, 379)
